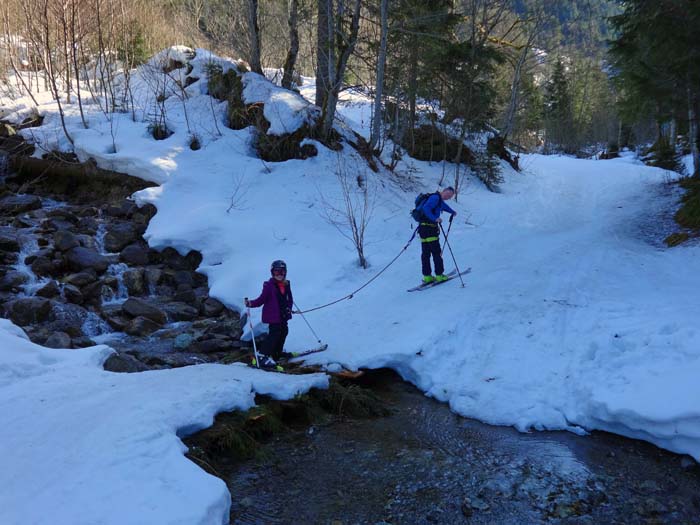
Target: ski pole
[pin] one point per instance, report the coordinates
(299, 311)
(447, 235)
(252, 336)
(452, 254)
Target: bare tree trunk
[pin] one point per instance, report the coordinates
(379, 85)
(254, 34)
(325, 51)
(290, 62)
(513, 104)
(74, 57)
(346, 47)
(694, 138)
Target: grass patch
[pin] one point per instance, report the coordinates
(240, 436)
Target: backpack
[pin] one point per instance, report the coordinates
(417, 212)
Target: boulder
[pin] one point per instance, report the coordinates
(82, 342)
(28, 310)
(135, 254)
(44, 266)
(212, 345)
(64, 240)
(183, 341)
(180, 311)
(80, 258)
(114, 317)
(212, 307)
(144, 214)
(140, 308)
(58, 340)
(16, 204)
(170, 257)
(72, 294)
(81, 279)
(12, 281)
(8, 240)
(227, 327)
(119, 236)
(49, 290)
(183, 277)
(68, 318)
(123, 363)
(122, 210)
(153, 277)
(134, 280)
(185, 294)
(141, 326)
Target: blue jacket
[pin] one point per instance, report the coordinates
(434, 206)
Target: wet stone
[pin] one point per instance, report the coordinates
(80, 258)
(135, 254)
(30, 310)
(140, 308)
(72, 294)
(141, 326)
(124, 363)
(81, 279)
(177, 311)
(212, 307)
(182, 341)
(13, 281)
(14, 204)
(65, 240)
(82, 342)
(119, 236)
(49, 290)
(134, 281)
(58, 340)
(8, 240)
(43, 266)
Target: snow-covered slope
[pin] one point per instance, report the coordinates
(83, 446)
(570, 319)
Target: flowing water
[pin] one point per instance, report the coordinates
(425, 465)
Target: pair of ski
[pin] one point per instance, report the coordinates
(450, 275)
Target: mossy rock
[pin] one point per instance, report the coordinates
(279, 148)
(225, 86)
(689, 214)
(431, 144)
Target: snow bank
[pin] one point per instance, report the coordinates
(85, 446)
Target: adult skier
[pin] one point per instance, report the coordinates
(429, 232)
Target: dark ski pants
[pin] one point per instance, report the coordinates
(430, 246)
(274, 342)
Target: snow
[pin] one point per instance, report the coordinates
(570, 319)
(85, 446)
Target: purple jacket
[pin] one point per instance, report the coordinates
(277, 308)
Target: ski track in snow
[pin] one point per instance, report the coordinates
(570, 318)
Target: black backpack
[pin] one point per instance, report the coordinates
(417, 212)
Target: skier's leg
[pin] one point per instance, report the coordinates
(279, 350)
(437, 257)
(272, 340)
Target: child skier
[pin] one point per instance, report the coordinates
(277, 301)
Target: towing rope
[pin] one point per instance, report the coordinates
(352, 294)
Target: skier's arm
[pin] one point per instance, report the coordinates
(446, 208)
(291, 306)
(263, 297)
